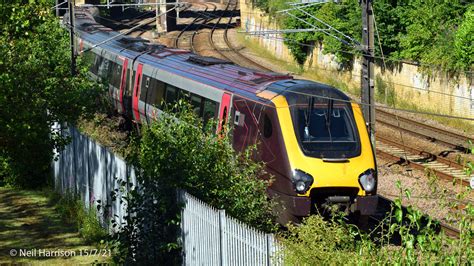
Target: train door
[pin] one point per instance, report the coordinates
(123, 80)
(136, 93)
(128, 90)
(145, 88)
(224, 111)
(154, 97)
(244, 124)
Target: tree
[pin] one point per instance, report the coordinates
(36, 90)
(464, 41)
(344, 16)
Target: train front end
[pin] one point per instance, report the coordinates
(330, 160)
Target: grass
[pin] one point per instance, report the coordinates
(30, 220)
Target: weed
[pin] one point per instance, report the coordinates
(72, 210)
(385, 91)
(321, 242)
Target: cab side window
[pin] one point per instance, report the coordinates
(267, 127)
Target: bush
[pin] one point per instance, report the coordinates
(320, 242)
(176, 153)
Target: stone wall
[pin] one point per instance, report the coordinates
(435, 92)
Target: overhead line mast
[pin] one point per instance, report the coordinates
(367, 77)
(71, 34)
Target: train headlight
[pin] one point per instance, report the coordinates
(368, 180)
(301, 181)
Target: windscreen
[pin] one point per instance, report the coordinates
(324, 125)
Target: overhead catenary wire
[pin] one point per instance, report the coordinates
(389, 59)
(123, 33)
(391, 82)
(319, 96)
(438, 67)
(354, 75)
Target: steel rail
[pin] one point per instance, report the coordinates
(451, 139)
(418, 159)
(200, 16)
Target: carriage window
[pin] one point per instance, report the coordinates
(155, 93)
(209, 110)
(97, 62)
(144, 89)
(196, 104)
(104, 68)
(128, 86)
(171, 94)
(267, 127)
(115, 74)
(89, 58)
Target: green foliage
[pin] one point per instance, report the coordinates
(464, 41)
(72, 210)
(428, 30)
(36, 89)
(176, 153)
(321, 242)
(343, 17)
(271, 6)
(432, 32)
(205, 165)
(318, 242)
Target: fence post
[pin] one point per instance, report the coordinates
(222, 237)
(269, 249)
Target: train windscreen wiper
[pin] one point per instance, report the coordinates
(309, 111)
(328, 116)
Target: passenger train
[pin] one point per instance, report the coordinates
(311, 137)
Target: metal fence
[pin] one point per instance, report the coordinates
(209, 236)
(213, 238)
(89, 170)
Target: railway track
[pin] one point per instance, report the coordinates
(450, 139)
(421, 160)
(185, 38)
(218, 38)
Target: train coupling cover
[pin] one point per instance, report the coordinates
(366, 205)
